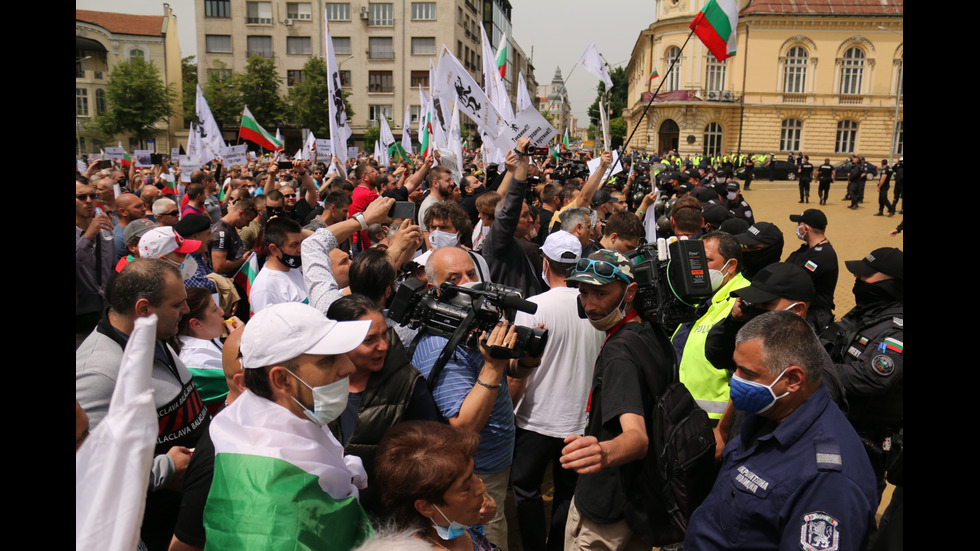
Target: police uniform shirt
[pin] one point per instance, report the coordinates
(807, 484)
(820, 261)
(825, 172)
(806, 171)
(742, 210)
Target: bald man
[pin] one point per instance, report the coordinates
(129, 207)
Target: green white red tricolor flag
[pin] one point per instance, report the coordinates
(251, 131)
(715, 25)
(246, 274)
(502, 56)
(654, 74)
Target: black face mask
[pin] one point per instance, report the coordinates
(757, 260)
(882, 291)
(273, 211)
(290, 260)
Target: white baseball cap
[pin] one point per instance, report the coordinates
(285, 331)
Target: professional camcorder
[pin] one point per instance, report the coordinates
(672, 278)
(461, 314)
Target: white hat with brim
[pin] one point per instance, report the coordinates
(283, 332)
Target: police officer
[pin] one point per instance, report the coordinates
(796, 476)
(899, 170)
(866, 345)
(825, 175)
(749, 167)
(855, 181)
(806, 175)
(737, 204)
(817, 256)
(884, 182)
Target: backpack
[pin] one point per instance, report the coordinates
(679, 468)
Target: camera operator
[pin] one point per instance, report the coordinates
(470, 390)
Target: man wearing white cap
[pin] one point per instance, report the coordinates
(550, 402)
(273, 453)
(167, 245)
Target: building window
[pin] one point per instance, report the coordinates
(674, 77)
(217, 8)
(100, 103)
(258, 13)
(294, 77)
(846, 137)
(297, 10)
(420, 79)
(715, 78)
(81, 102)
(712, 139)
(217, 43)
(423, 45)
(380, 81)
(219, 74)
(381, 15)
(794, 72)
(459, 49)
(338, 12)
(852, 71)
(136, 53)
(341, 45)
(900, 138)
(345, 79)
(414, 113)
(261, 46)
(425, 10)
(789, 135)
(375, 112)
(298, 45)
(380, 48)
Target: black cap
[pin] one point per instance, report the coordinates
(778, 280)
(760, 233)
(192, 224)
(734, 226)
(887, 260)
(601, 197)
(814, 218)
(716, 214)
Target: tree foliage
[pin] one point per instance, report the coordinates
(617, 101)
(259, 87)
(221, 91)
(371, 136)
(308, 100)
(137, 99)
(188, 75)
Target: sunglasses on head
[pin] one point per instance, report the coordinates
(601, 268)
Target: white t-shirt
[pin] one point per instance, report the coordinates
(426, 203)
(275, 287)
(557, 391)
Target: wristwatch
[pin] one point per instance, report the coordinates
(360, 220)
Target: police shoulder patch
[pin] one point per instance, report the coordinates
(819, 532)
(898, 322)
(883, 365)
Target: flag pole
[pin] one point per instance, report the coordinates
(647, 108)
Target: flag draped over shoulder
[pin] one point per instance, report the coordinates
(280, 482)
(113, 465)
(251, 130)
(715, 25)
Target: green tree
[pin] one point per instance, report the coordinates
(308, 100)
(221, 91)
(617, 101)
(188, 74)
(137, 100)
(371, 135)
(259, 88)
(617, 132)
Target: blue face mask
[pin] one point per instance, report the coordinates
(753, 397)
(455, 529)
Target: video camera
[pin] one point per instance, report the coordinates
(672, 278)
(462, 313)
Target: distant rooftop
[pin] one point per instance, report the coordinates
(825, 7)
(123, 23)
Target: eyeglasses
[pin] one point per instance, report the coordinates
(89, 196)
(601, 268)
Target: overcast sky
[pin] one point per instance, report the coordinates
(558, 32)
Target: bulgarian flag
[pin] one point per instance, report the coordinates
(654, 74)
(426, 136)
(564, 141)
(502, 56)
(715, 25)
(280, 482)
(554, 152)
(254, 133)
(246, 274)
(126, 159)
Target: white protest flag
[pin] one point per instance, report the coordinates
(440, 110)
(386, 138)
(193, 141)
(604, 123)
(307, 151)
(456, 143)
(494, 85)
(439, 139)
(523, 98)
(407, 131)
(339, 130)
(113, 465)
(594, 64)
(211, 141)
(453, 83)
(380, 153)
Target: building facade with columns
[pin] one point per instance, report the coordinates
(818, 78)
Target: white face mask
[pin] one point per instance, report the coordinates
(439, 239)
(800, 233)
(544, 273)
(329, 401)
(732, 195)
(718, 276)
